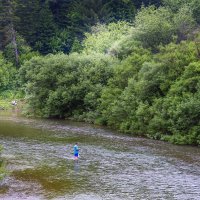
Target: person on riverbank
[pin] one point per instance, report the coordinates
(14, 103)
(76, 151)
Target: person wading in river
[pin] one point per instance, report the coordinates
(76, 151)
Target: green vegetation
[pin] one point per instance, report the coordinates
(59, 85)
(131, 66)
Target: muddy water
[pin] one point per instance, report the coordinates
(39, 154)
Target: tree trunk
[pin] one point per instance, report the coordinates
(14, 42)
(12, 31)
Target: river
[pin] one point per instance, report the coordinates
(112, 166)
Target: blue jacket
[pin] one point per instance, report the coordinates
(76, 149)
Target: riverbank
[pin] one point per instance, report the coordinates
(176, 139)
(5, 104)
(9, 104)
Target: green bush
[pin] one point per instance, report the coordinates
(57, 85)
(154, 26)
(156, 95)
(180, 109)
(104, 36)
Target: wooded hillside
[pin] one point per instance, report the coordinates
(131, 65)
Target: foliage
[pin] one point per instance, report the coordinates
(143, 105)
(7, 20)
(153, 26)
(58, 85)
(52, 26)
(112, 95)
(184, 22)
(175, 5)
(84, 14)
(25, 51)
(102, 36)
(76, 46)
(7, 74)
(159, 26)
(182, 107)
(61, 42)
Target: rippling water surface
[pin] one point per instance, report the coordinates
(39, 154)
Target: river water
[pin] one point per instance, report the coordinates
(112, 166)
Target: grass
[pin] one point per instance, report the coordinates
(7, 96)
(5, 104)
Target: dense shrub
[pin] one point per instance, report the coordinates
(58, 85)
(7, 74)
(103, 36)
(181, 107)
(147, 100)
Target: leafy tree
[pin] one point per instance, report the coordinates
(134, 105)
(112, 102)
(124, 46)
(180, 115)
(194, 6)
(154, 82)
(184, 22)
(61, 42)
(59, 85)
(25, 51)
(154, 26)
(7, 72)
(102, 37)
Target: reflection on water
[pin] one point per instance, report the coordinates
(76, 166)
(111, 166)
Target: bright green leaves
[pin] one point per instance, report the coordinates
(104, 36)
(7, 73)
(155, 95)
(178, 112)
(193, 5)
(154, 27)
(58, 85)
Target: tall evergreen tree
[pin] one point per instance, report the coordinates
(37, 24)
(139, 3)
(87, 13)
(121, 10)
(8, 20)
(28, 12)
(60, 10)
(45, 29)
